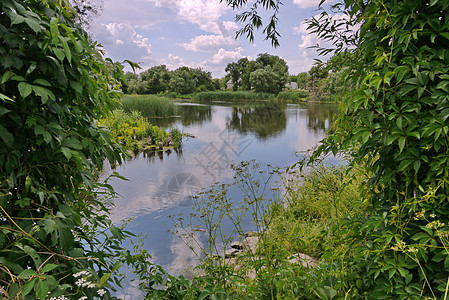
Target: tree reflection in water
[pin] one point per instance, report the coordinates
(265, 119)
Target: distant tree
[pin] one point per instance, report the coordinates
(263, 80)
(303, 77)
(182, 81)
(156, 79)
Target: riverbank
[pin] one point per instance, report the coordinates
(297, 243)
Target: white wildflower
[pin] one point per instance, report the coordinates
(101, 292)
(80, 282)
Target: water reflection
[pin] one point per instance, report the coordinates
(265, 121)
(161, 183)
(190, 113)
(320, 116)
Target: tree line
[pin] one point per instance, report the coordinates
(159, 79)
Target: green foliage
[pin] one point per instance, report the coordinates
(159, 79)
(149, 106)
(394, 120)
(233, 96)
(53, 214)
(123, 125)
(268, 74)
(294, 96)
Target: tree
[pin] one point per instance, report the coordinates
(263, 80)
(55, 86)
(156, 79)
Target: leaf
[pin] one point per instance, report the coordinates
(41, 81)
(104, 279)
(48, 268)
(5, 98)
(54, 30)
(7, 76)
(27, 273)
(25, 89)
(41, 290)
(67, 152)
(6, 136)
(27, 287)
(116, 266)
(48, 224)
(401, 143)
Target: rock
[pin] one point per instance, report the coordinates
(305, 260)
(237, 245)
(250, 243)
(231, 253)
(250, 233)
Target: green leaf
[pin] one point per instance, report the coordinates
(27, 273)
(25, 89)
(6, 136)
(48, 224)
(41, 290)
(116, 266)
(104, 279)
(27, 287)
(54, 30)
(7, 76)
(401, 143)
(48, 268)
(41, 81)
(44, 93)
(67, 152)
(66, 48)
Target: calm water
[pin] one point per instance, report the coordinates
(160, 184)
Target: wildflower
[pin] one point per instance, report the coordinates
(101, 292)
(435, 225)
(413, 250)
(80, 282)
(432, 215)
(81, 273)
(83, 298)
(91, 285)
(420, 215)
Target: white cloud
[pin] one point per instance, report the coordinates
(122, 41)
(227, 56)
(204, 13)
(208, 43)
(307, 3)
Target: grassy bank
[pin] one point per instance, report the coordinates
(232, 96)
(124, 125)
(292, 96)
(149, 105)
(307, 217)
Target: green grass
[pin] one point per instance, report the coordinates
(316, 201)
(233, 96)
(295, 96)
(149, 105)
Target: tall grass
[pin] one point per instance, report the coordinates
(295, 96)
(149, 105)
(233, 96)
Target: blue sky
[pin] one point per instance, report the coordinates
(198, 33)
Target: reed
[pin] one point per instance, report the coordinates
(150, 105)
(233, 96)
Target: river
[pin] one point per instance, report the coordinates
(162, 183)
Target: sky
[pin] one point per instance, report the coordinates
(198, 33)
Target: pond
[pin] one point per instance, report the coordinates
(162, 183)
